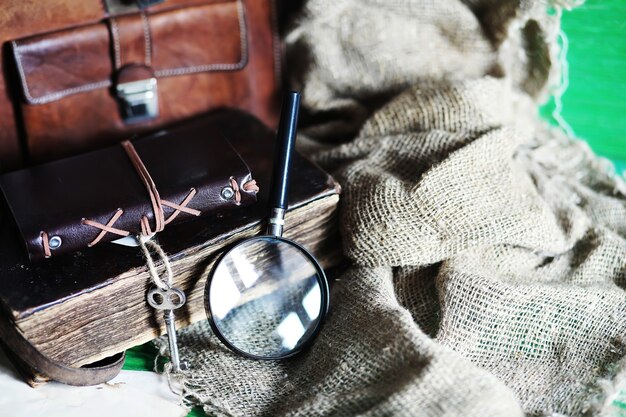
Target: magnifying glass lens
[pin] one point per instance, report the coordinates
(266, 297)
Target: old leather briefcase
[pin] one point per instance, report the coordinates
(83, 75)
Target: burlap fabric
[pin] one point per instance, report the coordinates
(488, 250)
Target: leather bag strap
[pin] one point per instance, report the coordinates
(31, 356)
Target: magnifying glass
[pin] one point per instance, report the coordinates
(266, 296)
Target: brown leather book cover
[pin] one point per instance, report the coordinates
(104, 195)
(82, 307)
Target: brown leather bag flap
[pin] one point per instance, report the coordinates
(200, 38)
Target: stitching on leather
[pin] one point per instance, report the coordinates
(243, 39)
(145, 223)
(251, 187)
(47, 98)
(117, 49)
(157, 204)
(146, 230)
(45, 242)
(106, 228)
(182, 207)
(153, 193)
(235, 186)
(20, 69)
(52, 96)
(147, 38)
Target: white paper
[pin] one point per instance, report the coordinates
(131, 393)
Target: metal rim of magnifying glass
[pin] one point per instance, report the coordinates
(325, 300)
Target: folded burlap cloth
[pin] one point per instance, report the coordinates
(488, 249)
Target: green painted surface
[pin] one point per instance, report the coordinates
(198, 412)
(617, 405)
(594, 105)
(141, 358)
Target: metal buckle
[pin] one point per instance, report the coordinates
(139, 100)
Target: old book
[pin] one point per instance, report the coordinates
(80, 308)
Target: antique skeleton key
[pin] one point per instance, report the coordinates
(169, 300)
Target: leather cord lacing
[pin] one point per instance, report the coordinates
(45, 241)
(155, 199)
(157, 207)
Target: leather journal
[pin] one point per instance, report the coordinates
(68, 311)
(136, 187)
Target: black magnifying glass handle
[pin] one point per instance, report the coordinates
(285, 142)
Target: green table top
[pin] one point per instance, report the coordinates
(595, 103)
